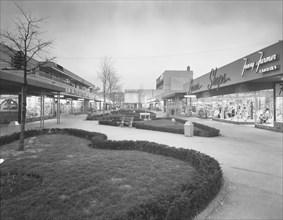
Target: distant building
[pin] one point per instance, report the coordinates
(141, 98)
(171, 82)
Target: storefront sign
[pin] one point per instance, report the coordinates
(257, 64)
(217, 80)
(271, 68)
(193, 87)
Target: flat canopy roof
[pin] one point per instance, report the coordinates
(11, 82)
(174, 95)
(52, 68)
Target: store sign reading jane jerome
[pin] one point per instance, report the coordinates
(261, 61)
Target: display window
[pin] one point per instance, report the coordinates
(8, 103)
(34, 106)
(77, 106)
(279, 102)
(238, 107)
(264, 107)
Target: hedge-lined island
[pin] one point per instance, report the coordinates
(172, 125)
(77, 174)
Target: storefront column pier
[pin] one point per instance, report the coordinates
(58, 108)
(86, 102)
(42, 94)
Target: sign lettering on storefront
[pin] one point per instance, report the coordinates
(194, 87)
(257, 64)
(271, 68)
(217, 80)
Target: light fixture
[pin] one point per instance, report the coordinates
(190, 96)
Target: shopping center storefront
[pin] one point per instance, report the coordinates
(248, 91)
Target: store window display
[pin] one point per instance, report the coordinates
(34, 106)
(264, 107)
(279, 102)
(9, 104)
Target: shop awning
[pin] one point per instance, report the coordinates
(174, 95)
(11, 81)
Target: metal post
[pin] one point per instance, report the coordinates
(40, 108)
(58, 108)
(256, 107)
(43, 101)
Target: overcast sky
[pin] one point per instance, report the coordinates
(145, 38)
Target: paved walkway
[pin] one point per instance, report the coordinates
(251, 160)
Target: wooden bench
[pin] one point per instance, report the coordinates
(127, 121)
(145, 115)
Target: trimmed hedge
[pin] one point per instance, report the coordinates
(117, 115)
(199, 129)
(109, 122)
(185, 202)
(202, 130)
(156, 128)
(96, 117)
(70, 131)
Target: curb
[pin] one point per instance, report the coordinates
(215, 203)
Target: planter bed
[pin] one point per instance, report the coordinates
(182, 202)
(167, 125)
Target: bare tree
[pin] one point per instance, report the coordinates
(24, 45)
(113, 85)
(109, 78)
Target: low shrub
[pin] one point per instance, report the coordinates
(117, 115)
(70, 131)
(207, 131)
(96, 116)
(129, 112)
(109, 122)
(156, 128)
(199, 129)
(187, 200)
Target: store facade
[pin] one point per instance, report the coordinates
(52, 89)
(247, 91)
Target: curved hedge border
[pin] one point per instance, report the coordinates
(117, 115)
(70, 131)
(199, 129)
(109, 122)
(208, 131)
(189, 199)
(184, 203)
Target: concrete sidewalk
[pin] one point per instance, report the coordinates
(251, 160)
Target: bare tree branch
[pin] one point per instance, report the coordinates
(24, 44)
(109, 78)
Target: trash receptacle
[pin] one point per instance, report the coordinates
(189, 129)
(14, 126)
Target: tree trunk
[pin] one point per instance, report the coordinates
(24, 108)
(23, 117)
